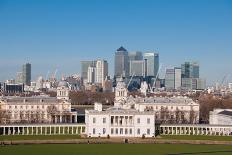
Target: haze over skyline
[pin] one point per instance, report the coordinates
(59, 34)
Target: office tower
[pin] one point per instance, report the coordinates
(152, 63)
(170, 79)
(91, 74)
(84, 68)
(190, 70)
(19, 77)
(121, 63)
(135, 56)
(26, 74)
(101, 71)
(136, 68)
(177, 78)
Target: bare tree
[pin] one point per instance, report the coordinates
(52, 110)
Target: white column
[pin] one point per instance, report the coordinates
(59, 130)
(54, 130)
(27, 131)
(50, 130)
(4, 131)
(63, 129)
(72, 130)
(41, 130)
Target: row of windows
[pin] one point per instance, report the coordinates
(103, 120)
(148, 121)
(122, 131)
(138, 120)
(162, 107)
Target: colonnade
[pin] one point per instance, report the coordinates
(42, 129)
(196, 129)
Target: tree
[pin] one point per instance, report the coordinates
(52, 110)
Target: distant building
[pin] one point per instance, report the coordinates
(170, 79)
(190, 70)
(135, 56)
(101, 71)
(220, 117)
(84, 69)
(152, 63)
(13, 88)
(91, 74)
(19, 77)
(26, 74)
(137, 67)
(40, 109)
(193, 84)
(121, 63)
(107, 85)
(177, 78)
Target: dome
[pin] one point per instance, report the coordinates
(63, 84)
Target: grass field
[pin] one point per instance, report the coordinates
(39, 137)
(116, 149)
(195, 137)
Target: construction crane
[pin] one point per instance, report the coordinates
(130, 80)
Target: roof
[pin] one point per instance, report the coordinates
(121, 49)
(225, 112)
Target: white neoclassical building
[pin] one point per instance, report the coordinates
(220, 117)
(121, 120)
(39, 109)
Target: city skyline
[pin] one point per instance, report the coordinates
(60, 36)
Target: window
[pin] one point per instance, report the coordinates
(9, 107)
(138, 120)
(112, 119)
(104, 120)
(21, 107)
(94, 120)
(116, 130)
(104, 130)
(138, 131)
(32, 107)
(16, 107)
(126, 131)
(121, 131)
(148, 121)
(112, 131)
(94, 131)
(148, 131)
(130, 131)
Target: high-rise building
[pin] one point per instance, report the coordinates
(121, 63)
(91, 74)
(84, 68)
(190, 70)
(177, 78)
(19, 77)
(26, 74)
(152, 63)
(101, 70)
(135, 56)
(136, 68)
(170, 79)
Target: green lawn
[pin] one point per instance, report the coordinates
(195, 137)
(38, 137)
(116, 149)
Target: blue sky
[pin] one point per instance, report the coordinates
(54, 34)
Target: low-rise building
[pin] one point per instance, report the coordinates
(38, 109)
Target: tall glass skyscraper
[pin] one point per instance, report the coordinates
(190, 70)
(26, 74)
(152, 63)
(121, 63)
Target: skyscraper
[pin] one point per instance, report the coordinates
(190, 70)
(101, 71)
(26, 74)
(121, 63)
(136, 67)
(152, 63)
(170, 79)
(91, 74)
(177, 78)
(84, 68)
